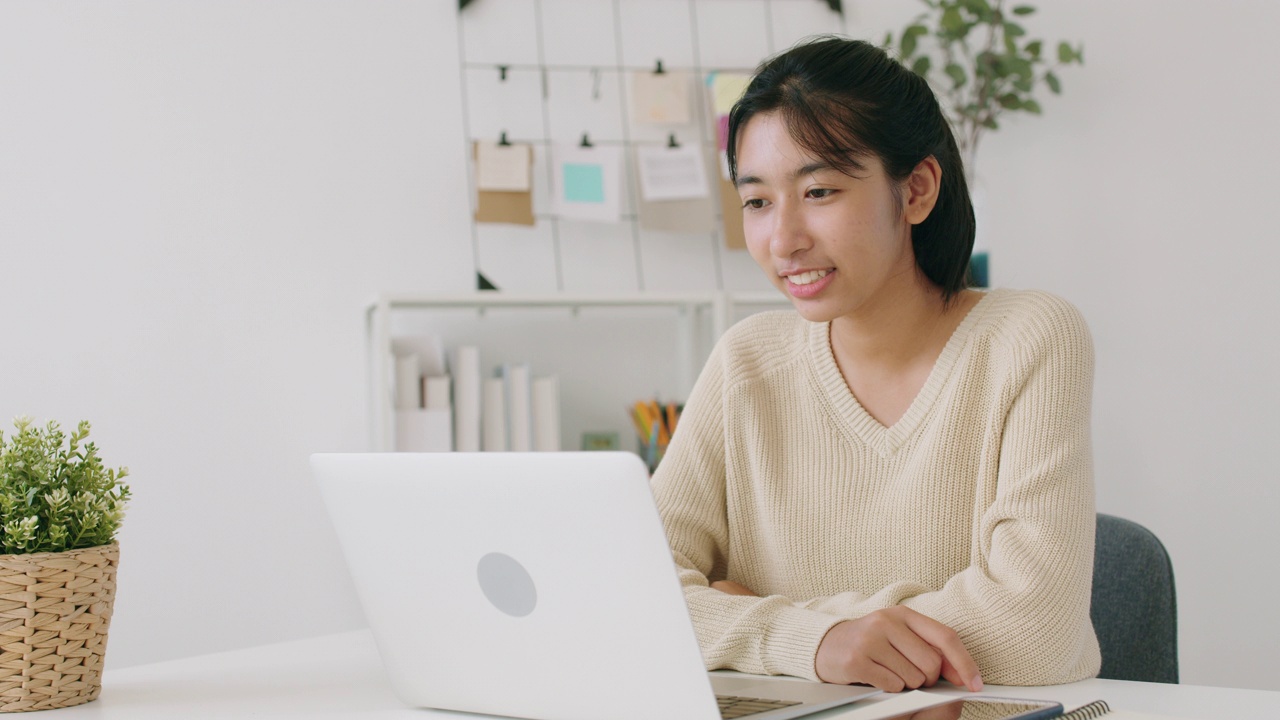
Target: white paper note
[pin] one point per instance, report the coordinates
(503, 167)
(668, 173)
(661, 98)
(588, 183)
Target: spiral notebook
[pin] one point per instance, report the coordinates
(1100, 709)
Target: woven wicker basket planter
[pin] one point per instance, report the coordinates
(54, 612)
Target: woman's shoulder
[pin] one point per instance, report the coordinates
(763, 341)
(1030, 320)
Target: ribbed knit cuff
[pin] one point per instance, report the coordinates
(790, 643)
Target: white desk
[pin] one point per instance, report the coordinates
(340, 676)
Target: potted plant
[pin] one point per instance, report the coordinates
(981, 62)
(59, 512)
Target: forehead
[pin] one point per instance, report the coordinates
(766, 139)
(766, 146)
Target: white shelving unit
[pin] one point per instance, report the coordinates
(698, 320)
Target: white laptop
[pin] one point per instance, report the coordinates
(535, 585)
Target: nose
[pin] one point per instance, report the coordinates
(790, 235)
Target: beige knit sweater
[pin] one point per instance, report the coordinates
(975, 509)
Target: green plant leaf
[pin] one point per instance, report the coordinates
(888, 40)
(1023, 10)
(991, 65)
(1031, 106)
(1033, 49)
(1010, 101)
(1065, 53)
(980, 8)
(1080, 54)
(957, 75)
(1013, 30)
(952, 23)
(921, 66)
(1054, 84)
(990, 124)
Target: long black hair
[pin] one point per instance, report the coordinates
(845, 100)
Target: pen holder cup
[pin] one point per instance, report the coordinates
(55, 609)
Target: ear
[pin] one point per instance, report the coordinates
(922, 188)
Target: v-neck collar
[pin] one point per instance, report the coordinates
(853, 418)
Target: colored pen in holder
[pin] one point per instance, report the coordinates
(655, 425)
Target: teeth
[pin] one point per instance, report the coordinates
(809, 277)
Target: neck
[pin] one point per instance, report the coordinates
(902, 323)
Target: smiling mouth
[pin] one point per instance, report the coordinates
(808, 278)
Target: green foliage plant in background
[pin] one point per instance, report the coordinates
(980, 61)
(56, 497)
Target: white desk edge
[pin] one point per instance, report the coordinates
(340, 676)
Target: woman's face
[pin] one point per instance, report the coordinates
(833, 243)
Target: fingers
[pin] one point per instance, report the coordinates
(895, 649)
(923, 657)
(962, 666)
(867, 651)
(950, 674)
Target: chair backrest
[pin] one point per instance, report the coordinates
(1134, 607)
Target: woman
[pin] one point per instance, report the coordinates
(892, 484)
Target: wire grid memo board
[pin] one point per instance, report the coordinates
(547, 72)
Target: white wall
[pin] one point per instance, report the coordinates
(196, 199)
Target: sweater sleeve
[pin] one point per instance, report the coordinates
(764, 636)
(1022, 606)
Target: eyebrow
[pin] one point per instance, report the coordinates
(809, 169)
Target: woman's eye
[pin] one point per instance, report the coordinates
(753, 204)
(819, 193)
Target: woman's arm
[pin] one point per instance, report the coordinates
(767, 636)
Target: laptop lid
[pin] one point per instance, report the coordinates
(533, 585)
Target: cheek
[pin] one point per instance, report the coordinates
(757, 239)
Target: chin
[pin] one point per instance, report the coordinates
(816, 312)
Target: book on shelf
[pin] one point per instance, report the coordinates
(423, 430)
(421, 397)
(454, 406)
(437, 393)
(408, 393)
(465, 369)
(519, 405)
(545, 403)
(494, 415)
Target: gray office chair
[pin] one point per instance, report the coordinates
(1134, 608)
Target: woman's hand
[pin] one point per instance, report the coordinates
(895, 649)
(730, 587)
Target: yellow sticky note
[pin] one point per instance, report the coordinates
(726, 89)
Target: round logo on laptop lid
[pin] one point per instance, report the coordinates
(506, 584)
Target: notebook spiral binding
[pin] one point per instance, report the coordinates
(1095, 709)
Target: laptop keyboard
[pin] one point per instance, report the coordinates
(735, 707)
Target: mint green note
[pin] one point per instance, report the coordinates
(583, 183)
